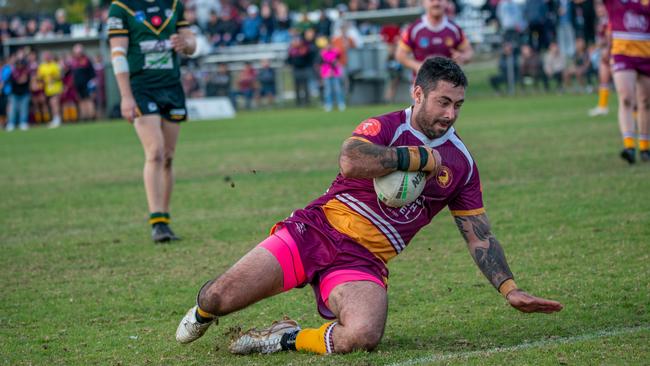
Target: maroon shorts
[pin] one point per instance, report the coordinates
(639, 64)
(310, 251)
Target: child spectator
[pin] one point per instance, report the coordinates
(578, 67)
(554, 64)
(330, 73)
(69, 97)
(532, 69)
(40, 110)
(49, 72)
(246, 83)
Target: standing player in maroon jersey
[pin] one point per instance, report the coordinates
(341, 242)
(433, 35)
(630, 58)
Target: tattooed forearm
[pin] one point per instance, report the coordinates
(484, 247)
(361, 159)
(492, 262)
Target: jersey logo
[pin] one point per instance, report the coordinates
(445, 177)
(635, 22)
(369, 127)
(139, 16)
(154, 9)
(151, 106)
(156, 20)
(114, 23)
(424, 42)
(449, 42)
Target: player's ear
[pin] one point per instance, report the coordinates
(418, 94)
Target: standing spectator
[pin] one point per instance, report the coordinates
(268, 22)
(303, 23)
(49, 72)
(61, 25)
(211, 29)
(251, 25)
(31, 28)
(246, 84)
(266, 79)
(324, 25)
(330, 73)
(97, 86)
(83, 72)
(536, 14)
(583, 19)
(554, 64)
(5, 86)
(282, 24)
(20, 95)
(565, 33)
(45, 30)
(532, 69)
(433, 35)
(301, 61)
(40, 110)
(227, 29)
(69, 97)
(343, 40)
(511, 19)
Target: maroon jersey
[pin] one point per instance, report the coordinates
(425, 40)
(630, 25)
(352, 208)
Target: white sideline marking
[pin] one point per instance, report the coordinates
(528, 345)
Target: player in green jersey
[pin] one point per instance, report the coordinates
(146, 38)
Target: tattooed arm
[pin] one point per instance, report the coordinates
(489, 257)
(363, 159)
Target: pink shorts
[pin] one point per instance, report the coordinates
(284, 248)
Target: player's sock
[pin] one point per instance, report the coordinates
(202, 316)
(603, 95)
(628, 142)
(158, 217)
(644, 142)
(312, 340)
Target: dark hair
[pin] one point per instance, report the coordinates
(437, 68)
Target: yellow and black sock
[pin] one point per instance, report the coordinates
(628, 142)
(644, 143)
(203, 316)
(158, 217)
(312, 340)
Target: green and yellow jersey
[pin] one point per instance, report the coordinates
(148, 25)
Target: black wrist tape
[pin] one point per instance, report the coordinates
(403, 159)
(424, 157)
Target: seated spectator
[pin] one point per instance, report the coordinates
(578, 67)
(246, 85)
(554, 64)
(251, 25)
(219, 84)
(266, 79)
(508, 69)
(268, 22)
(17, 28)
(191, 85)
(304, 23)
(61, 26)
(20, 95)
(532, 69)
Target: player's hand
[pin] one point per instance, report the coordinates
(178, 43)
(457, 57)
(127, 107)
(527, 303)
(434, 163)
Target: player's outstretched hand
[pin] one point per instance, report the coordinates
(178, 43)
(527, 303)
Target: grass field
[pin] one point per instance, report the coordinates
(81, 283)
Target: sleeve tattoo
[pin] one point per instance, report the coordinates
(363, 151)
(484, 248)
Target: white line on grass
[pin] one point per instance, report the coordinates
(527, 345)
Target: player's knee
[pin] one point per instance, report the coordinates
(168, 161)
(155, 156)
(628, 101)
(359, 338)
(216, 299)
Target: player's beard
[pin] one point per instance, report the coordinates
(432, 127)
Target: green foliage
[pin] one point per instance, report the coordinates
(81, 283)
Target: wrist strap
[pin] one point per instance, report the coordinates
(507, 287)
(403, 158)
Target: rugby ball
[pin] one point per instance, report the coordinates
(399, 188)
